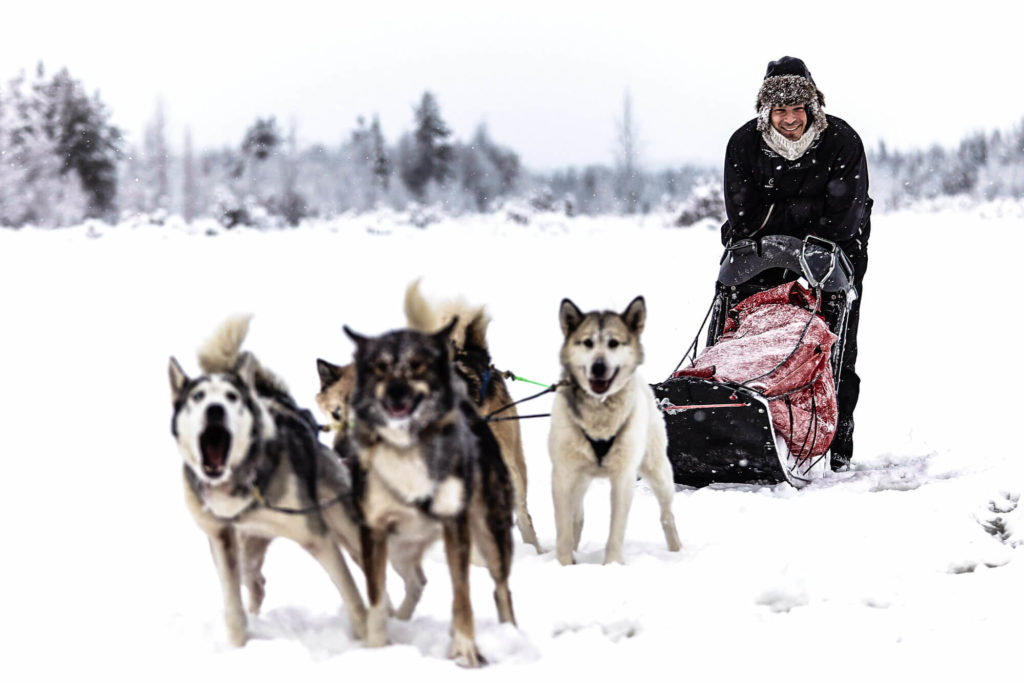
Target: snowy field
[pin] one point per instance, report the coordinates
(884, 571)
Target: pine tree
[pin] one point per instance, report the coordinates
(627, 166)
(291, 204)
(189, 193)
(156, 161)
(381, 160)
(34, 185)
(262, 139)
(428, 156)
(84, 139)
(487, 171)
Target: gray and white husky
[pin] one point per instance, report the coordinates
(605, 423)
(254, 470)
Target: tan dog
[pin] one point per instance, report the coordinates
(485, 385)
(336, 384)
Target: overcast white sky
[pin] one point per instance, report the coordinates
(548, 78)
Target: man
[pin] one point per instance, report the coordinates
(795, 170)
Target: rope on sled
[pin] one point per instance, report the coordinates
(796, 347)
(812, 427)
(691, 352)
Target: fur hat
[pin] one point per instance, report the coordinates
(788, 82)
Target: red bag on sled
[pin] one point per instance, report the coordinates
(772, 342)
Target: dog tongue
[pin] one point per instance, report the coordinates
(401, 409)
(599, 386)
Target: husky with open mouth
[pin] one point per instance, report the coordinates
(605, 423)
(254, 470)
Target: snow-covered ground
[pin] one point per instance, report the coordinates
(882, 571)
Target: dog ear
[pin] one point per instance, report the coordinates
(329, 373)
(247, 369)
(178, 377)
(569, 316)
(635, 315)
(476, 330)
(359, 339)
(441, 336)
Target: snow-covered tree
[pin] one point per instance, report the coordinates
(427, 155)
(379, 155)
(628, 181)
(34, 186)
(261, 139)
(156, 161)
(85, 140)
(486, 171)
(190, 194)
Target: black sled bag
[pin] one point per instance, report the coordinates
(725, 429)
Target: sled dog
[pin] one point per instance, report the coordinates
(252, 461)
(336, 383)
(428, 467)
(605, 423)
(334, 400)
(485, 384)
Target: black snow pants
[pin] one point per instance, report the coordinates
(849, 380)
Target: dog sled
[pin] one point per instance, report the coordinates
(758, 404)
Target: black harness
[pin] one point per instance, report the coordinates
(600, 446)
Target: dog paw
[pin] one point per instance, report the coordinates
(359, 629)
(404, 612)
(465, 652)
(237, 635)
(673, 542)
(376, 627)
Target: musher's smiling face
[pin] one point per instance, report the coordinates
(791, 122)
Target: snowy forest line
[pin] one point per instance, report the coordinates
(64, 159)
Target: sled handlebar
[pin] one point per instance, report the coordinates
(830, 248)
(821, 261)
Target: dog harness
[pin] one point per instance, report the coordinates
(600, 446)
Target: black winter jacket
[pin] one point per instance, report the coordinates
(824, 192)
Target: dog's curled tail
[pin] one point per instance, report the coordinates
(420, 315)
(221, 351)
(423, 316)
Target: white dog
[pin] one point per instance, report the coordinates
(605, 423)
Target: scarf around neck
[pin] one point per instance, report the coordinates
(792, 150)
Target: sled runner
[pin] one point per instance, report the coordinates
(758, 404)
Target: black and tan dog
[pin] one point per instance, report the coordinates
(486, 385)
(428, 467)
(254, 470)
(472, 362)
